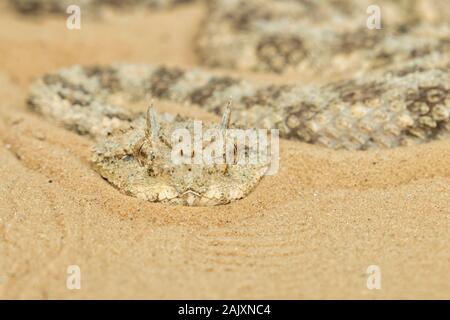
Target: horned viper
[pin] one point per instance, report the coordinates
(401, 95)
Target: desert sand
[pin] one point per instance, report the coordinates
(311, 231)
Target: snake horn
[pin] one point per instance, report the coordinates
(225, 123)
(152, 122)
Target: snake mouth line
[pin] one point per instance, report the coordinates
(193, 198)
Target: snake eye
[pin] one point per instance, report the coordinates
(142, 152)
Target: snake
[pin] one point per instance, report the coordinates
(37, 7)
(400, 95)
(300, 35)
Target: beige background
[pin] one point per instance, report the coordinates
(309, 232)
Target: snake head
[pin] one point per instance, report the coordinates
(179, 161)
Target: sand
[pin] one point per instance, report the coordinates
(311, 231)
